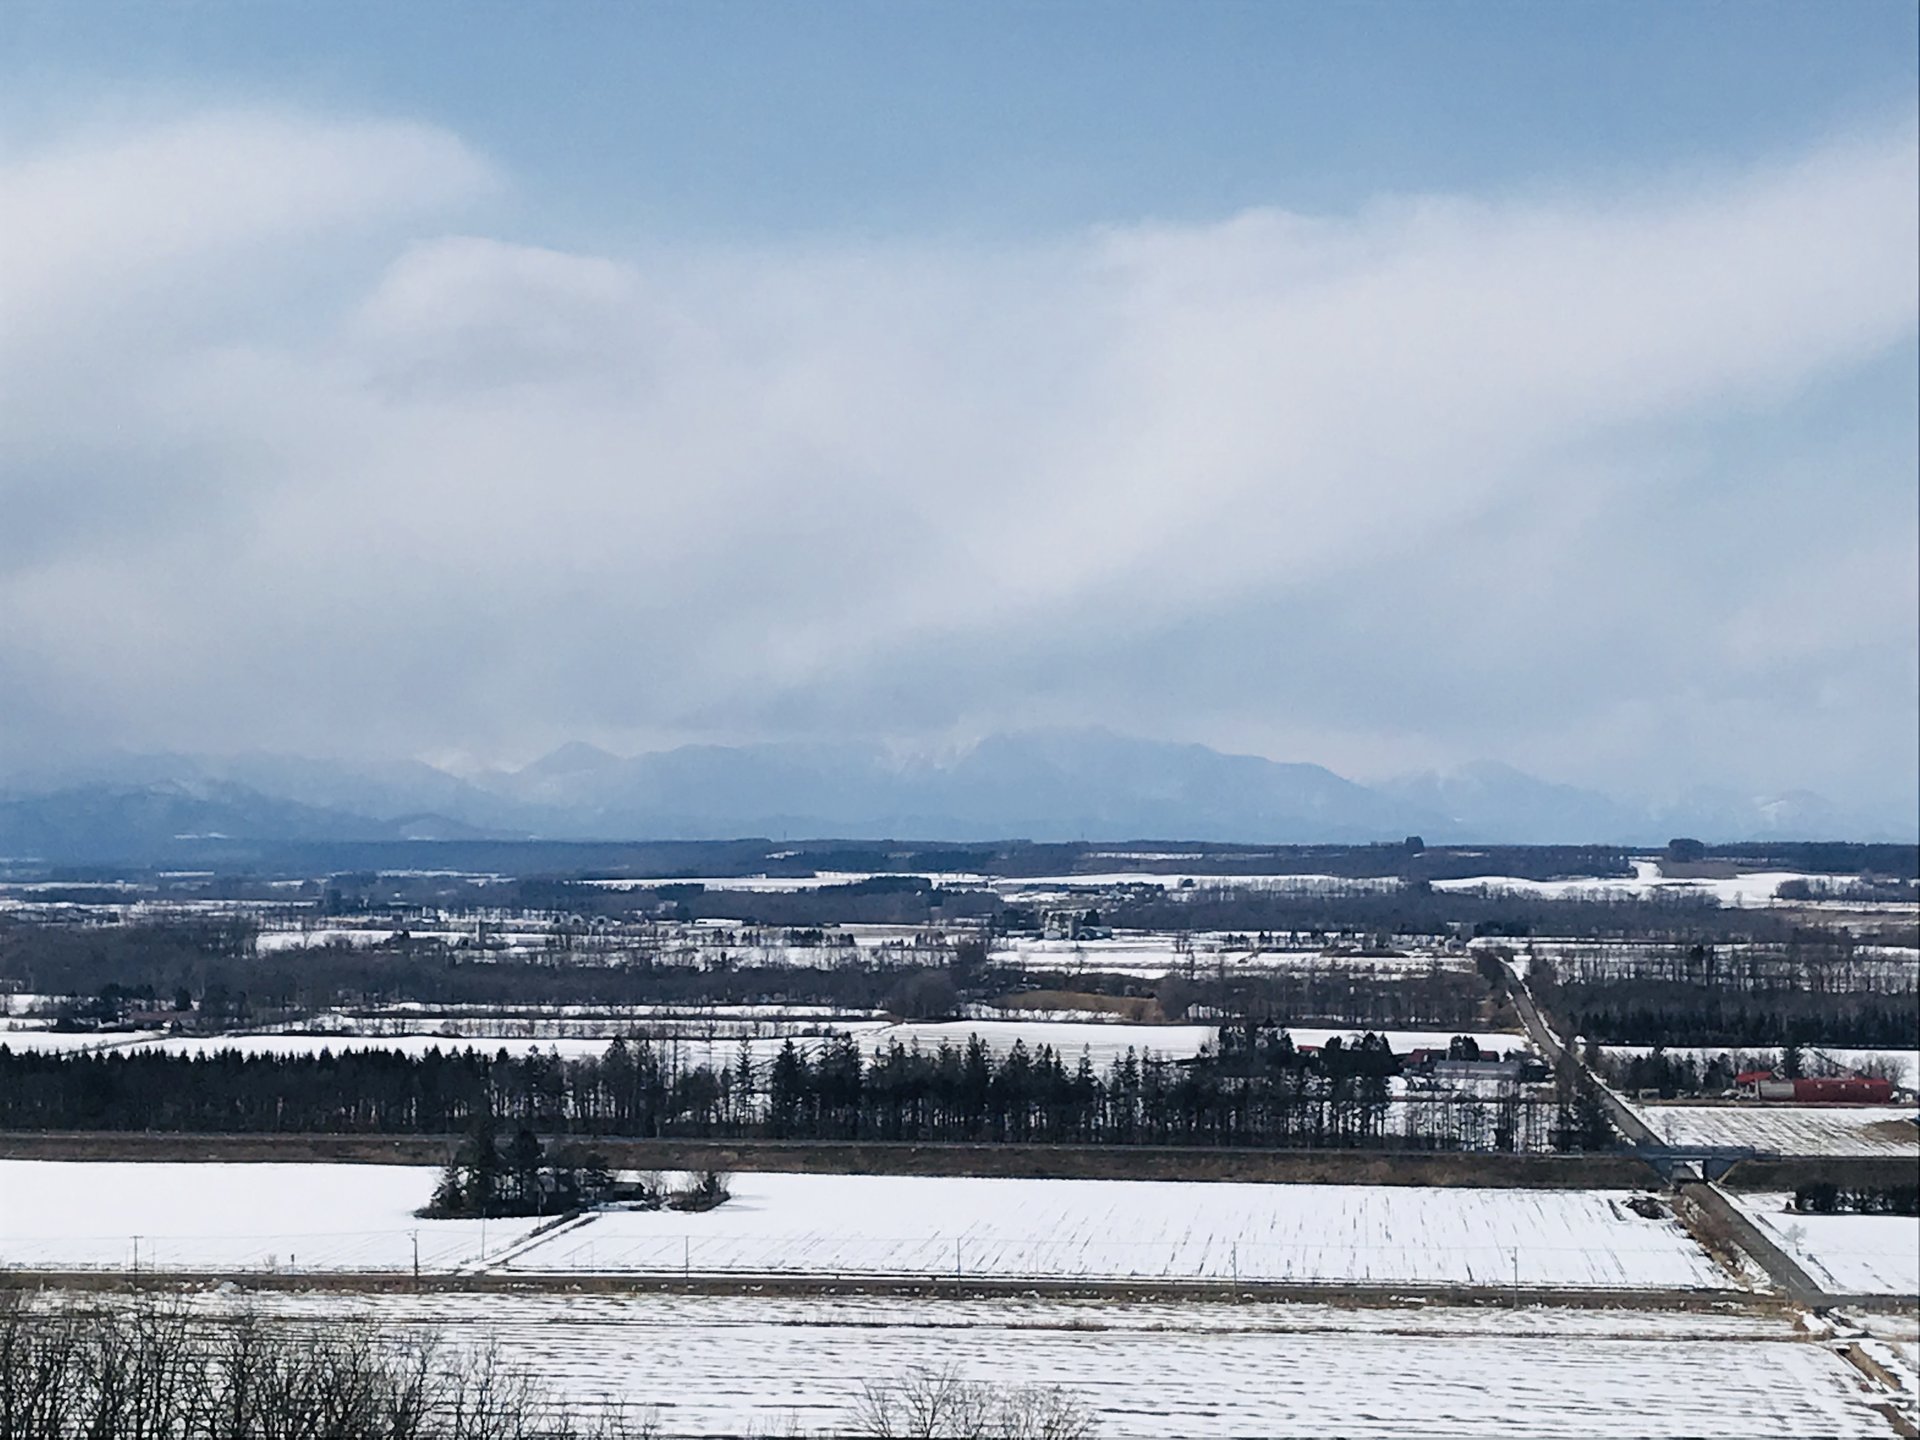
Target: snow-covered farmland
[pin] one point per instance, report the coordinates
(1106, 1042)
(858, 1225)
(21, 1040)
(735, 1365)
(1758, 887)
(285, 1045)
(1790, 1129)
(1151, 955)
(316, 1217)
(360, 938)
(109, 1215)
(793, 884)
(367, 937)
(1109, 1042)
(1041, 887)
(1848, 1254)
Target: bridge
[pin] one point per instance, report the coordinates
(1677, 1163)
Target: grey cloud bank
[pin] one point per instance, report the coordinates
(1619, 487)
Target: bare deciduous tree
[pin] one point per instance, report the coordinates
(155, 1371)
(940, 1405)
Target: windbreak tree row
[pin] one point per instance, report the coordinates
(1253, 1088)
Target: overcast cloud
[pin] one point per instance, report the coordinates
(309, 445)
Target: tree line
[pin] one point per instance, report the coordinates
(1251, 1087)
(176, 963)
(1827, 1198)
(1655, 1013)
(1673, 1075)
(1704, 997)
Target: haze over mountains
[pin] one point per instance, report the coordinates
(1039, 785)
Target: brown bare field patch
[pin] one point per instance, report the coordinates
(1141, 1009)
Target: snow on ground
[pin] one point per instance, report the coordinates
(272, 941)
(832, 1225)
(1753, 888)
(22, 1002)
(1026, 887)
(484, 1028)
(1015, 887)
(22, 1040)
(319, 1217)
(110, 1215)
(1106, 1042)
(788, 884)
(1848, 1254)
(1151, 955)
(569, 1047)
(735, 1365)
(690, 1049)
(1789, 1129)
(1404, 1040)
(1110, 1040)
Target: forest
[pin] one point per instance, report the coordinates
(1796, 995)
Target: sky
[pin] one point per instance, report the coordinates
(1389, 386)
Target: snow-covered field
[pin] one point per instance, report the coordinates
(24, 1002)
(110, 1215)
(570, 1047)
(75, 1215)
(1106, 1042)
(21, 1040)
(736, 1365)
(828, 1225)
(1109, 1042)
(358, 937)
(793, 884)
(1153, 955)
(1752, 888)
(1789, 1129)
(1848, 1254)
(1038, 887)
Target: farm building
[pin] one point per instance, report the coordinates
(1847, 1090)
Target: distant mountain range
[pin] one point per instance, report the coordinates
(1038, 785)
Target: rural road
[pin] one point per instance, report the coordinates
(1710, 1208)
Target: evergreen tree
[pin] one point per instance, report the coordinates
(524, 1154)
(449, 1197)
(787, 1091)
(480, 1165)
